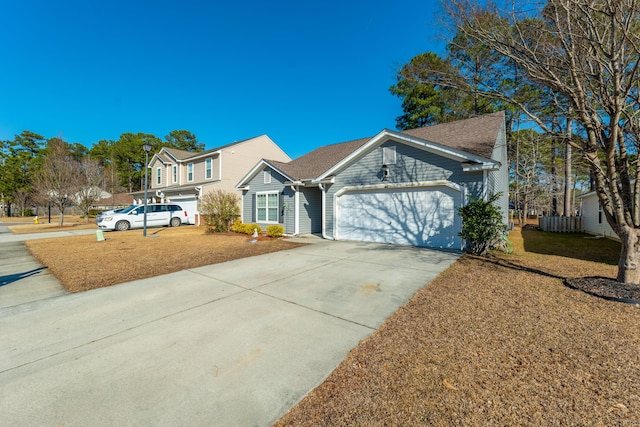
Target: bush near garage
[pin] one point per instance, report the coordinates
(275, 230)
(481, 224)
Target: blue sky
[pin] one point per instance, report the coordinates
(305, 73)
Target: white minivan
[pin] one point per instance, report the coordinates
(158, 215)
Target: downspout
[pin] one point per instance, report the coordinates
(324, 211)
(296, 200)
(485, 182)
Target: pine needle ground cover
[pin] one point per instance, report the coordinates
(82, 263)
(495, 341)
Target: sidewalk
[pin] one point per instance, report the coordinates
(22, 278)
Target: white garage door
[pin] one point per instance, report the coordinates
(420, 217)
(189, 204)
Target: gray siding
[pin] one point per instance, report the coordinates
(498, 181)
(412, 165)
(310, 210)
(285, 205)
(286, 217)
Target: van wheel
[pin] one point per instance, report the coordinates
(175, 222)
(122, 225)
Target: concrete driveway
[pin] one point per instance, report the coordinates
(233, 344)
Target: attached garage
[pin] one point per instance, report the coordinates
(400, 188)
(424, 216)
(189, 204)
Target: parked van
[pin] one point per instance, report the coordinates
(158, 215)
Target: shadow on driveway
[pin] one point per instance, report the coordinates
(10, 278)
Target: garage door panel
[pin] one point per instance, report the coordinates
(425, 217)
(189, 205)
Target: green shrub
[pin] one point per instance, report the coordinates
(275, 230)
(481, 224)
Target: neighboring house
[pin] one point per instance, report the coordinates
(113, 201)
(593, 219)
(396, 187)
(183, 177)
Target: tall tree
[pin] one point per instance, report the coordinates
(90, 180)
(183, 140)
(585, 51)
(57, 181)
(129, 158)
(19, 160)
(424, 100)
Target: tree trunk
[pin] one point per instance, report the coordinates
(568, 206)
(554, 179)
(629, 264)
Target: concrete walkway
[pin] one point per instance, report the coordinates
(232, 344)
(22, 278)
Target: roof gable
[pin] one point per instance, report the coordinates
(316, 162)
(181, 155)
(470, 140)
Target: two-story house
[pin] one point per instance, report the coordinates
(183, 177)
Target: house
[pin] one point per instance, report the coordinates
(395, 187)
(183, 177)
(113, 201)
(593, 219)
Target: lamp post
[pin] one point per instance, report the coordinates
(146, 147)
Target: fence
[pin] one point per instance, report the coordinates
(561, 224)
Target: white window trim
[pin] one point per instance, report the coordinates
(158, 176)
(266, 177)
(600, 212)
(190, 169)
(174, 173)
(208, 168)
(389, 155)
(266, 194)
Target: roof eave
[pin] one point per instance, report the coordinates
(442, 150)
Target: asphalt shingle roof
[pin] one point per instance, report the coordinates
(313, 164)
(475, 136)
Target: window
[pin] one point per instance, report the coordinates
(267, 207)
(174, 173)
(599, 213)
(189, 172)
(158, 176)
(267, 177)
(208, 169)
(389, 155)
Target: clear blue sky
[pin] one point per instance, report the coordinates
(305, 73)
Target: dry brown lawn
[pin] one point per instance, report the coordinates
(82, 263)
(26, 225)
(497, 341)
(491, 341)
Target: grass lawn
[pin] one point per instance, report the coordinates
(82, 263)
(27, 225)
(495, 341)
